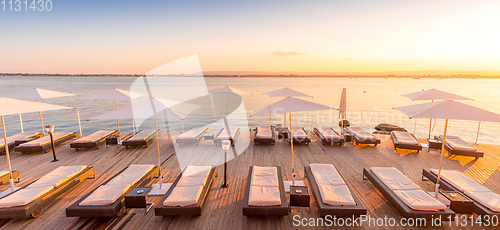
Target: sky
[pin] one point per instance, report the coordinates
(125, 36)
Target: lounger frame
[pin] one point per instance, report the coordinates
(297, 140)
(277, 210)
(477, 154)
(399, 145)
(46, 147)
(327, 140)
(195, 140)
(400, 206)
(112, 210)
(162, 210)
(260, 140)
(92, 144)
(232, 139)
(358, 140)
(35, 207)
(15, 143)
(145, 142)
(478, 208)
(6, 178)
(334, 210)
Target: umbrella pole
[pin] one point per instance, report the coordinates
(436, 191)
(284, 121)
(182, 125)
(41, 120)
(21, 121)
(415, 127)
(430, 125)
(291, 143)
(7, 155)
(158, 152)
(187, 122)
(79, 123)
(133, 125)
(477, 136)
(117, 122)
(311, 114)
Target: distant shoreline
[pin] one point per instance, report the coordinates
(460, 76)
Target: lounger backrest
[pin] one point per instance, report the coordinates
(405, 138)
(142, 135)
(193, 133)
(18, 137)
(332, 187)
(232, 132)
(457, 143)
(188, 189)
(46, 139)
(58, 176)
(361, 133)
(298, 132)
(264, 131)
(95, 136)
(327, 132)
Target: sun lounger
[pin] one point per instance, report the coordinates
(264, 134)
(93, 140)
(234, 132)
(44, 143)
(31, 199)
(188, 193)
(333, 196)
(5, 177)
(456, 146)
(404, 195)
(405, 140)
(300, 135)
(193, 136)
(265, 192)
(142, 138)
(328, 136)
(486, 202)
(108, 200)
(18, 139)
(360, 136)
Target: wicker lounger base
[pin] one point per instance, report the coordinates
(135, 143)
(399, 205)
(334, 210)
(46, 147)
(161, 210)
(263, 141)
(95, 144)
(478, 208)
(398, 145)
(6, 178)
(112, 210)
(278, 210)
(35, 207)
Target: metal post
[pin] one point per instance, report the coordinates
(224, 185)
(41, 120)
(117, 122)
(133, 125)
(11, 180)
(158, 152)
(436, 191)
(53, 148)
(79, 123)
(415, 127)
(21, 121)
(430, 125)
(291, 143)
(477, 136)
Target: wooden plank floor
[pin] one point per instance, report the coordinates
(223, 208)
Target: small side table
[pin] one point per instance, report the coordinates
(112, 140)
(459, 203)
(435, 144)
(348, 137)
(137, 198)
(208, 136)
(299, 196)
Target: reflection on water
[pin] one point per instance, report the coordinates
(369, 102)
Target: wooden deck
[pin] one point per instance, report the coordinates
(223, 209)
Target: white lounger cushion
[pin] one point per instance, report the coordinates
(105, 195)
(94, 136)
(194, 176)
(489, 199)
(264, 196)
(265, 176)
(58, 176)
(23, 196)
(394, 179)
(184, 196)
(460, 181)
(189, 188)
(46, 139)
(264, 131)
(111, 191)
(419, 200)
(193, 133)
(232, 131)
(142, 135)
(131, 175)
(336, 195)
(3, 173)
(326, 174)
(471, 188)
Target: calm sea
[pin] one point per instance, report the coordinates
(369, 102)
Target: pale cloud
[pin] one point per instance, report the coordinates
(288, 53)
